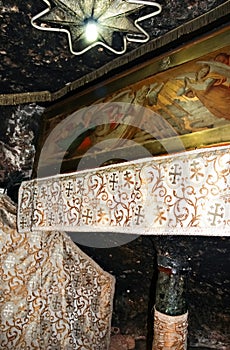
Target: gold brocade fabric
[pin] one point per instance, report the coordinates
(170, 332)
(52, 295)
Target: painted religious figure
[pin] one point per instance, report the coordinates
(185, 98)
(211, 85)
(174, 99)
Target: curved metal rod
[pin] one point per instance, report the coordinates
(126, 38)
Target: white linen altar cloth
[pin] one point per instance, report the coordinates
(185, 193)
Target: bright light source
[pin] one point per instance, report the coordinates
(91, 31)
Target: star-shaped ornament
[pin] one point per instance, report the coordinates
(89, 23)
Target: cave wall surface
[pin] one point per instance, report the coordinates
(19, 132)
(135, 267)
(29, 56)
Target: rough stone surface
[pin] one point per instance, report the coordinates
(122, 342)
(29, 56)
(208, 296)
(19, 134)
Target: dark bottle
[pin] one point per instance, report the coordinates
(171, 287)
(170, 311)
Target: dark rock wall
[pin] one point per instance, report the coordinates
(208, 293)
(29, 55)
(19, 130)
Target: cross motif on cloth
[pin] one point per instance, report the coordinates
(69, 189)
(175, 173)
(10, 261)
(51, 219)
(139, 215)
(23, 222)
(88, 216)
(216, 213)
(8, 311)
(56, 303)
(95, 306)
(113, 181)
(33, 331)
(35, 237)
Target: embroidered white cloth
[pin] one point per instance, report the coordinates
(52, 295)
(185, 193)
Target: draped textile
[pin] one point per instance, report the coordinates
(184, 193)
(170, 332)
(52, 295)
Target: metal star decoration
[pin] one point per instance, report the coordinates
(105, 17)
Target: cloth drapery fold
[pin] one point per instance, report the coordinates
(184, 193)
(52, 295)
